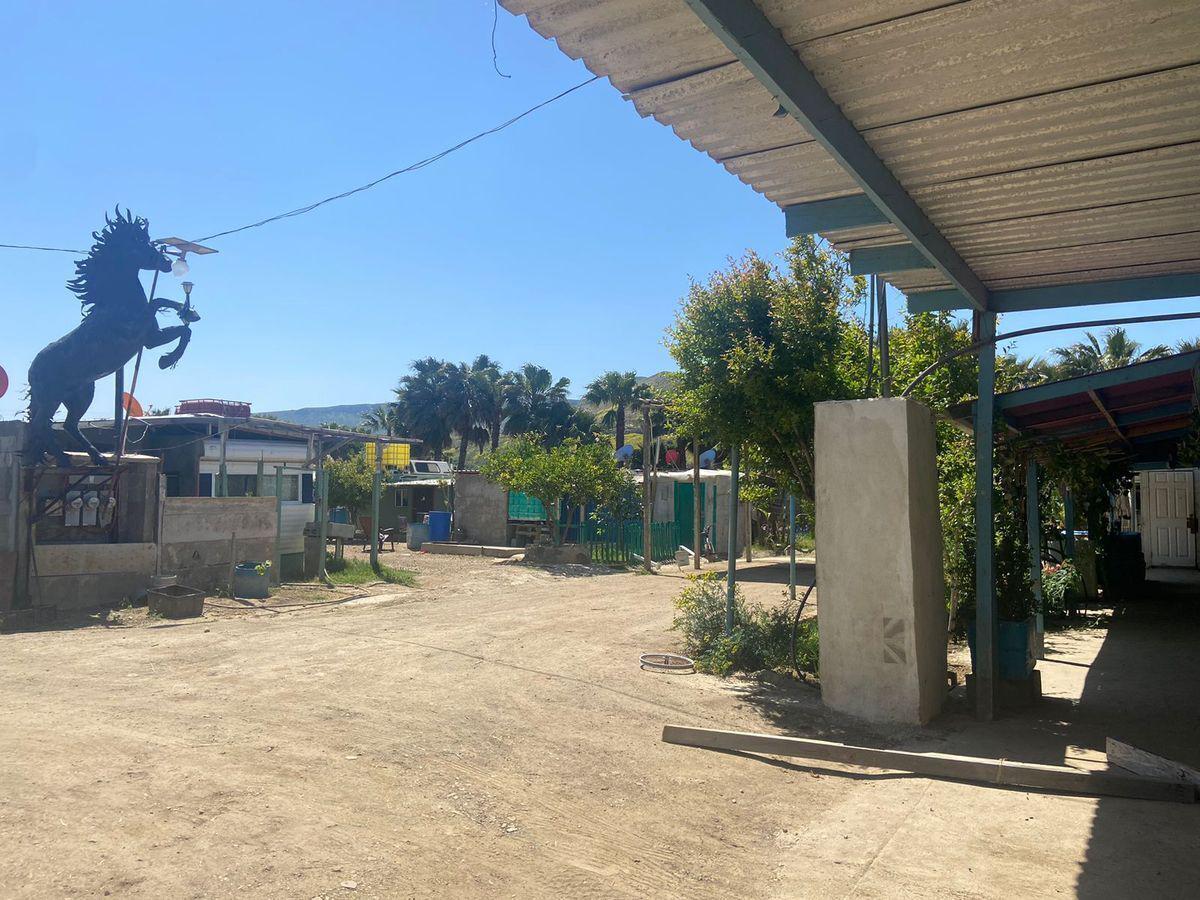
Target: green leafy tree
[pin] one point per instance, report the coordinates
(571, 473)
(350, 481)
(620, 392)
(384, 419)
(1094, 355)
(756, 348)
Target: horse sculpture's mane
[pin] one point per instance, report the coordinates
(118, 237)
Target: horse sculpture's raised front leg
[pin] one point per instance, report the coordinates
(165, 336)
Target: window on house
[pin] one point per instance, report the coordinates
(172, 484)
(306, 487)
(205, 488)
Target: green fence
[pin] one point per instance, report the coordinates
(618, 542)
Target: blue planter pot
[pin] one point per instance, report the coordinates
(1016, 649)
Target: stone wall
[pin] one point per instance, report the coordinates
(880, 590)
(480, 510)
(202, 537)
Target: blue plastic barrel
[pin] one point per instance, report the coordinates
(439, 526)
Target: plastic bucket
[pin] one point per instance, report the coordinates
(418, 533)
(439, 526)
(249, 584)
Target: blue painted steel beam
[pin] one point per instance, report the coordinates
(855, 211)
(987, 619)
(894, 258)
(758, 45)
(1123, 290)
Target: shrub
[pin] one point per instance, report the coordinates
(760, 639)
(1061, 585)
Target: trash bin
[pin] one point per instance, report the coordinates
(418, 533)
(439, 526)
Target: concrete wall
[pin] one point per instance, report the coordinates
(880, 589)
(199, 534)
(480, 510)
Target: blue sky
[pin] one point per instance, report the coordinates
(567, 240)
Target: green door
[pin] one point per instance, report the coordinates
(684, 516)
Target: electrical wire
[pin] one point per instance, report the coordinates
(412, 167)
(495, 21)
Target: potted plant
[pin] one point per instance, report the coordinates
(1017, 637)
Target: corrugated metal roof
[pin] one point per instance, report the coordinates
(1140, 410)
(1051, 141)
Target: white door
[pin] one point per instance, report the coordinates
(1171, 503)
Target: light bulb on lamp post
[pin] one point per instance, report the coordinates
(187, 289)
(179, 268)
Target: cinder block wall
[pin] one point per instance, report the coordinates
(480, 510)
(203, 536)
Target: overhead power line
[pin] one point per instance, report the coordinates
(412, 167)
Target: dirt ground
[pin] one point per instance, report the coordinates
(486, 733)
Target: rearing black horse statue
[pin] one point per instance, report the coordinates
(118, 321)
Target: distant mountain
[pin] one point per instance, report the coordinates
(346, 415)
(660, 382)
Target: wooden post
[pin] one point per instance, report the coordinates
(322, 511)
(376, 481)
(791, 547)
(749, 528)
(647, 492)
(697, 504)
(885, 369)
(222, 471)
(731, 564)
(278, 561)
(986, 617)
(118, 405)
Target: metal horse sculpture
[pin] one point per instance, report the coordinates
(118, 321)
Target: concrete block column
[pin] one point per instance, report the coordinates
(880, 589)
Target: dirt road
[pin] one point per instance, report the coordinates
(487, 733)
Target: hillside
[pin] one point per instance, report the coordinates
(346, 415)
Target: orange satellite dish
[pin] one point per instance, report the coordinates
(3, 382)
(132, 407)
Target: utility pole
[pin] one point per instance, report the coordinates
(647, 491)
(731, 564)
(278, 567)
(697, 503)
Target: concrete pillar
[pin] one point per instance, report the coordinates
(880, 589)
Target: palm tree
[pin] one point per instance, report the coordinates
(1089, 356)
(492, 383)
(1186, 346)
(619, 391)
(383, 419)
(421, 402)
(533, 398)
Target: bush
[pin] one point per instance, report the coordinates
(761, 638)
(359, 571)
(1061, 586)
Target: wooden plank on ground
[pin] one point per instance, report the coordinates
(1141, 762)
(940, 765)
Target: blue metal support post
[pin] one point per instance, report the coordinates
(1068, 524)
(731, 563)
(1033, 531)
(987, 623)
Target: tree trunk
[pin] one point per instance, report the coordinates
(495, 429)
(620, 430)
(462, 452)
